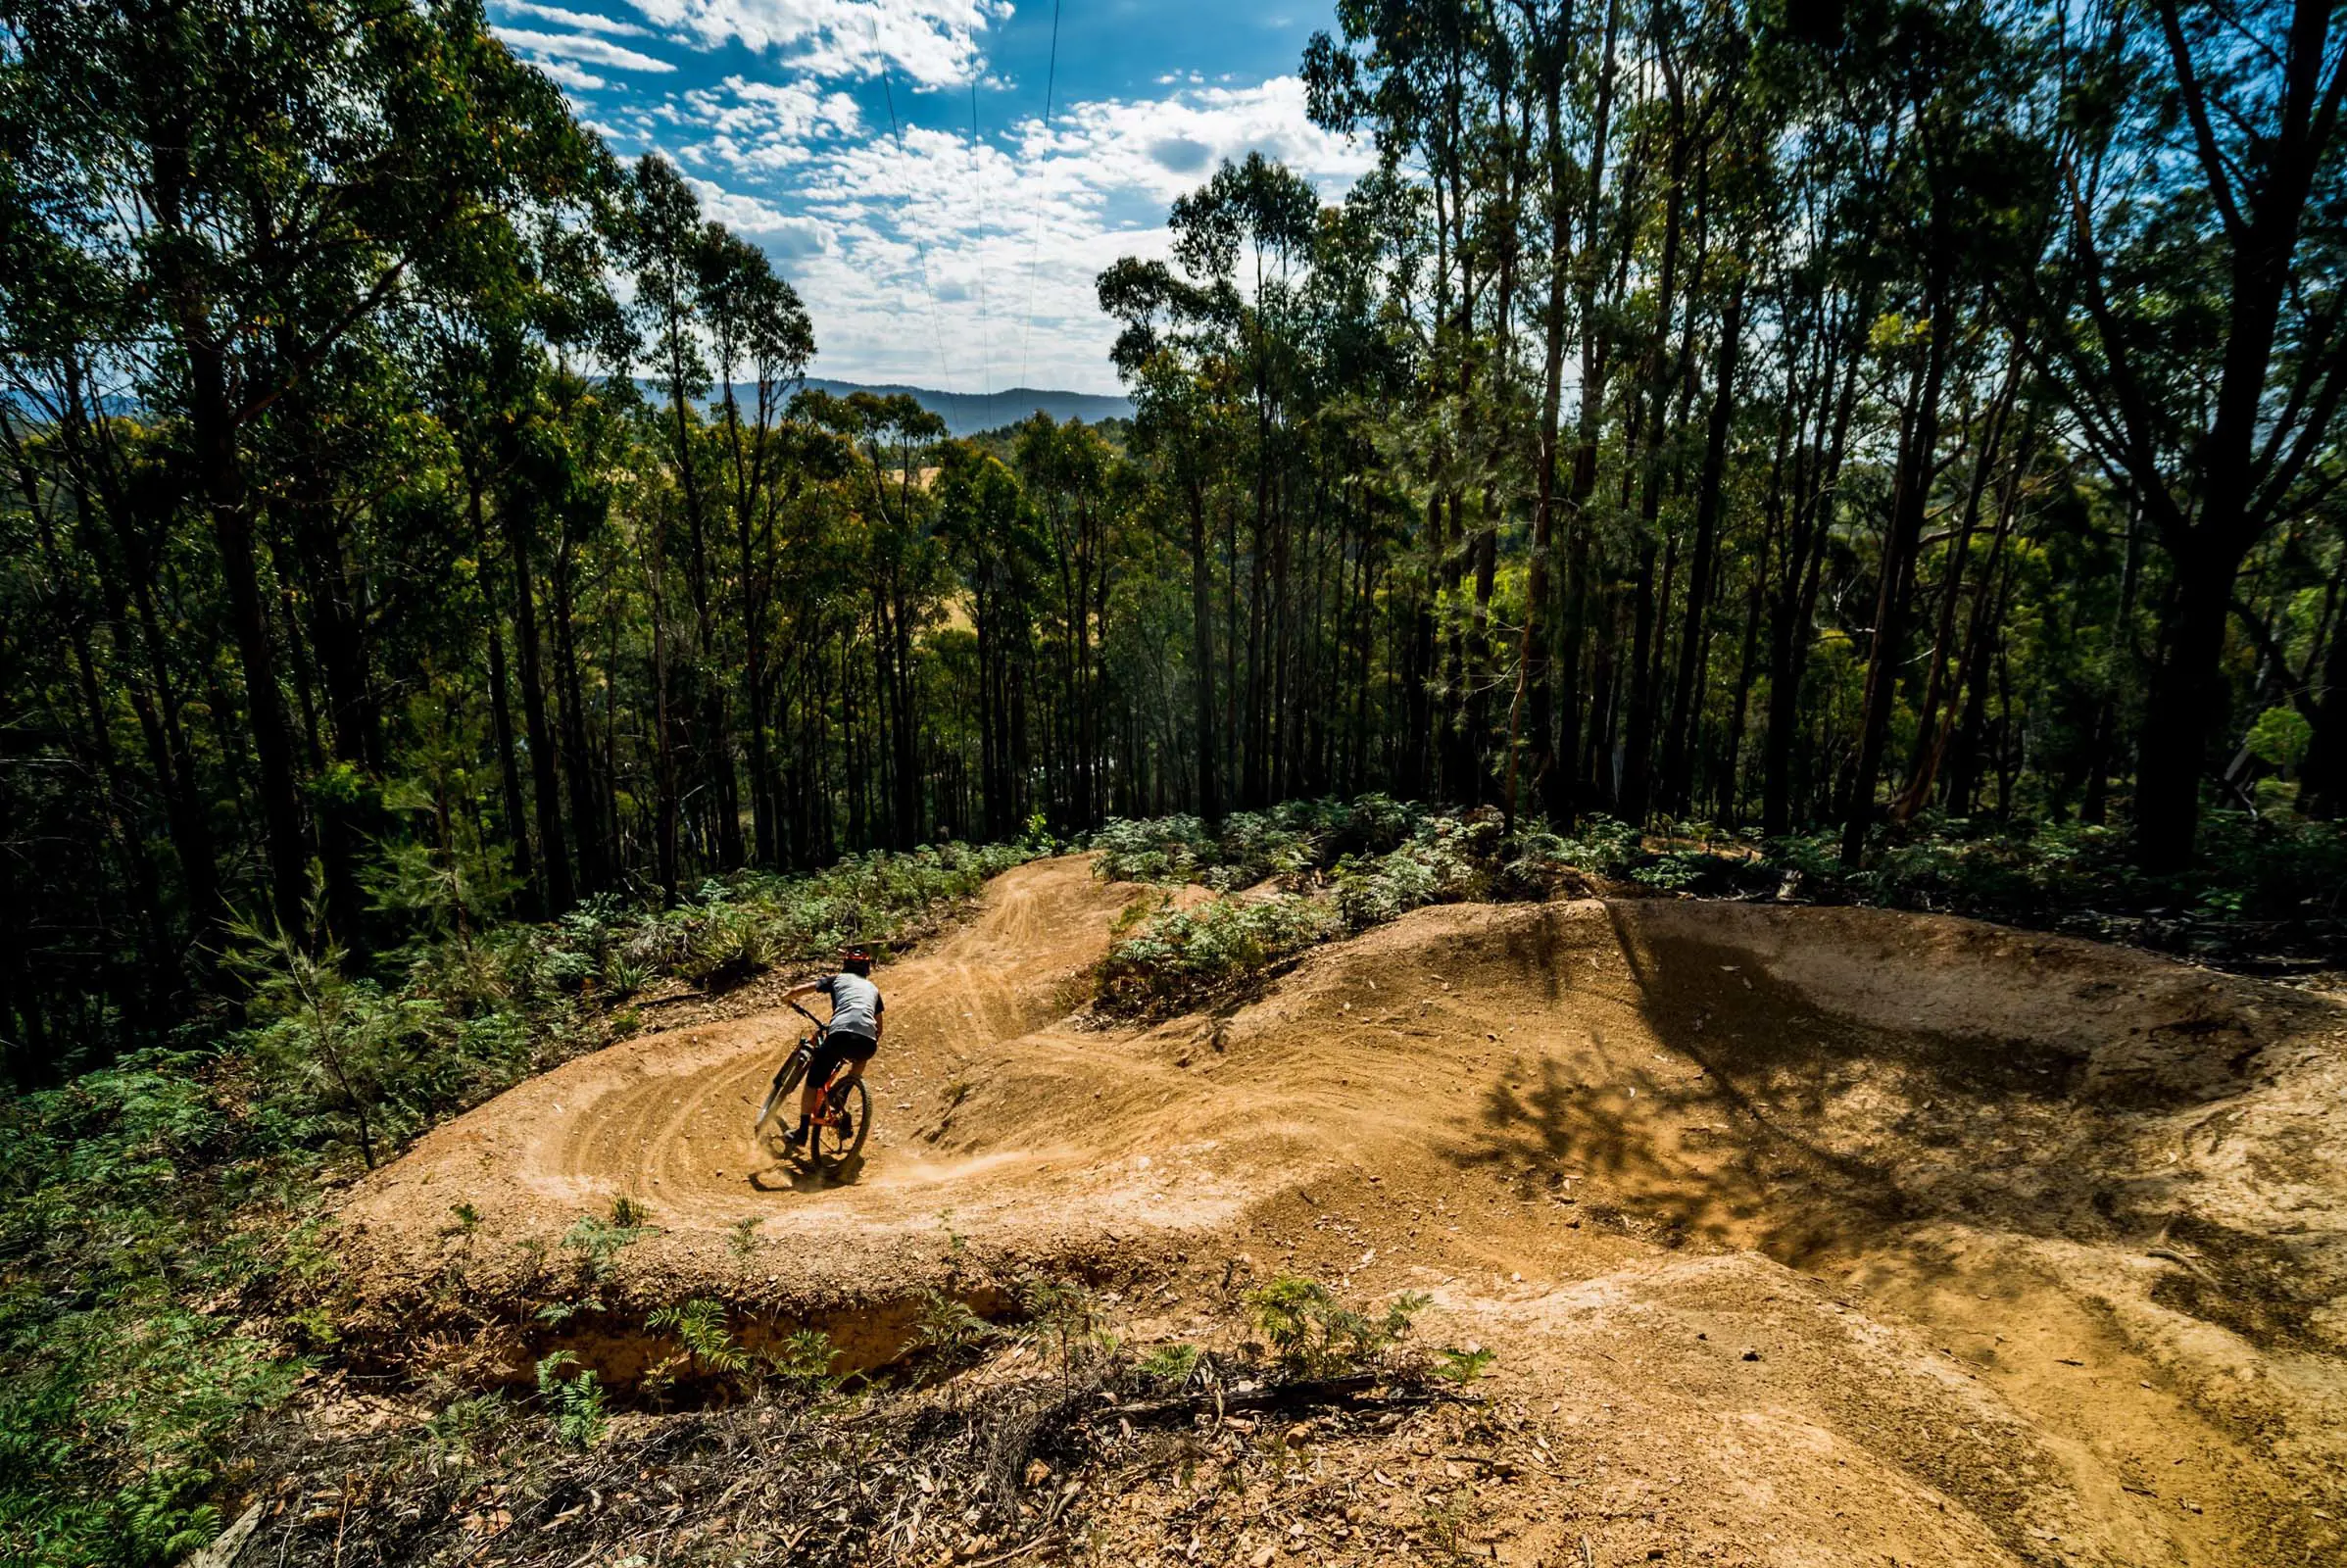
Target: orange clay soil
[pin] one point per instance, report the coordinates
(1801, 1234)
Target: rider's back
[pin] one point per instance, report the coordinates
(856, 1004)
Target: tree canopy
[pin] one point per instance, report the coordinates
(1820, 419)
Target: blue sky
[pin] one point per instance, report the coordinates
(925, 254)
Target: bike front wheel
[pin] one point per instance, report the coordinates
(786, 1079)
(843, 1141)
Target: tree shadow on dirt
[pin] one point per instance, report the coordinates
(1796, 1132)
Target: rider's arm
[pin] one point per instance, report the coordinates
(804, 988)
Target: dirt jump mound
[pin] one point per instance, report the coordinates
(1834, 1235)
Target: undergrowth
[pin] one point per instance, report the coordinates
(165, 1279)
(996, 1440)
(2266, 893)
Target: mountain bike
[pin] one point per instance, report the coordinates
(842, 1115)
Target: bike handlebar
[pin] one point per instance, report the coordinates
(803, 1014)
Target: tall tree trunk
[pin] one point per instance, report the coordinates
(1678, 767)
(1201, 652)
(545, 787)
(509, 770)
(220, 478)
(248, 619)
(1893, 596)
(588, 785)
(1534, 695)
(2186, 700)
(1797, 584)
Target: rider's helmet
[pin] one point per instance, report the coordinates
(855, 959)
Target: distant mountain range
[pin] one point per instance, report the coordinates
(964, 413)
(968, 413)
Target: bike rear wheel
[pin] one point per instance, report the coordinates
(844, 1140)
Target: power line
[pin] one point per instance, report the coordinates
(1035, 245)
(986, 350)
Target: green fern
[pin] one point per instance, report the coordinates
(1171, 1363)
(575, 1404)
(703, 1327)
(1462, 1366)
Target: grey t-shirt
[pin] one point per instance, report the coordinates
(856, 1004)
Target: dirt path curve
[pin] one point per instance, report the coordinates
(1829, 1235)
(664, 1119)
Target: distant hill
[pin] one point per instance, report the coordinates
(968, 413)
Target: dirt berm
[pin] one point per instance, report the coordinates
(1815, 1235)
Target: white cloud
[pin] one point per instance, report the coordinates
(934, 42)
(1109, 152)
(568, 75)
(576, 21)
(765, 127)
(936, 248)
(582, 47)
(932, 259)
(786, 234)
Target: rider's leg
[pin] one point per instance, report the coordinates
(819, 1069)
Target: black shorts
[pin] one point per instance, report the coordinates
(834, 1048)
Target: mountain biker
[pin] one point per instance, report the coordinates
(851, 1036)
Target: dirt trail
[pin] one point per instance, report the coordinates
(1826, 1236)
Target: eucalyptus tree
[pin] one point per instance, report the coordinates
(1259, 212)
(1066, 473)
(2190, 307)
(1944, 80)
(986, 524)
(756, 322)
(1163, 352)
(671, 251)
(263, 180)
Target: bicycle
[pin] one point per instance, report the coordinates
(843, 1113)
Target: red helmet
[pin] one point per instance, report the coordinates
(855, 952)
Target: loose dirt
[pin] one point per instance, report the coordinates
(1801, 1234)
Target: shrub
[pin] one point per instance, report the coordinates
(1599, 845)
(704, 1329)
(343, 1047)
(1167, 848)
(120, 1400)
(946, 1329)
(1315, 1336)
(1060, 1315)
(1171, 1363)
(1179, 957)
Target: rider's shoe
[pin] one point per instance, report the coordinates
(797, 1140)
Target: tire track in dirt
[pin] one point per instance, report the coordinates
(665, 1118)
(1942, 1179)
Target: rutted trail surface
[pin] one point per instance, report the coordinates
(664, 1119)
(1823, 1235)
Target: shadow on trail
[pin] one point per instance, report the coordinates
(796, 1176)
(1765, 1121)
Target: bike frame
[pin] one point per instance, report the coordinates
(826, 1113)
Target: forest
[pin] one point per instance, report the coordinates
(1845, 420)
